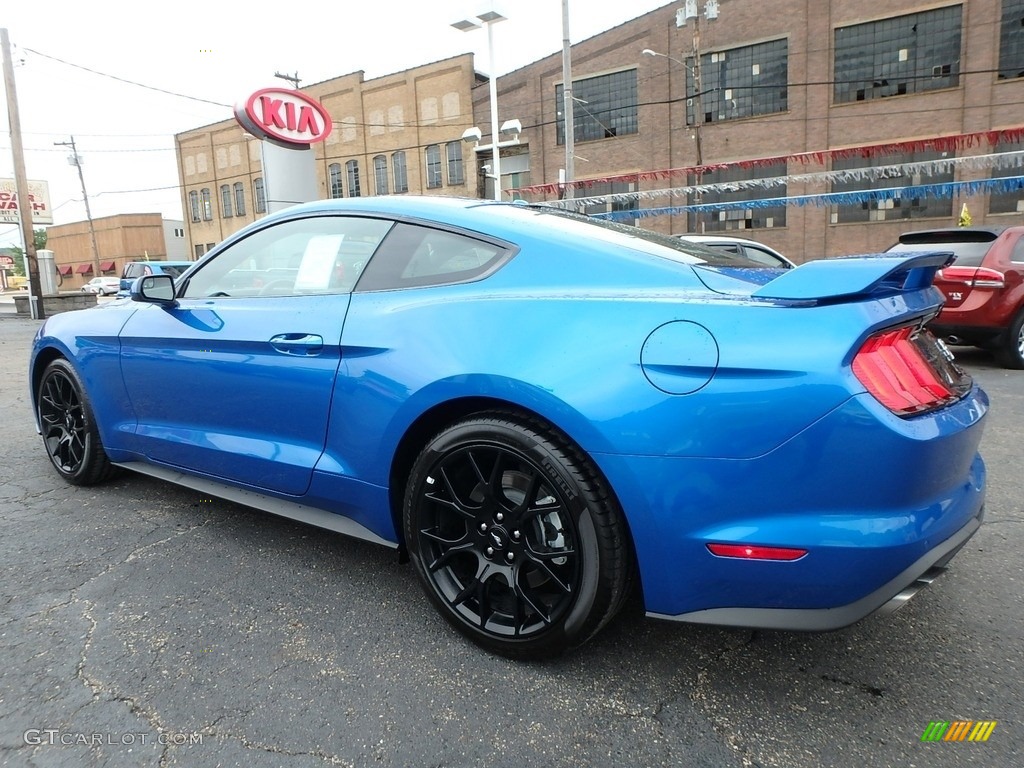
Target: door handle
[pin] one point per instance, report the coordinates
(298, 343)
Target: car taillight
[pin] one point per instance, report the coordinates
(908, 371)
(976, 277)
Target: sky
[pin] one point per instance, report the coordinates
(220, 52)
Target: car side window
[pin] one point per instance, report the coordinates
(318, 254)
(416, 256)
(762, 256)
(1017, 254)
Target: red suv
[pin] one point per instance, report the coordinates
(984, 287)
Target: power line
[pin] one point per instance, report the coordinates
(129, 82)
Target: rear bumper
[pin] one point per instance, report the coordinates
(875, 500)
(888, 598)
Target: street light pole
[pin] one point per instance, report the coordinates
(489, 19)
(76, 161)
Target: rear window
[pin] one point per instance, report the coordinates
(969, 246)
(626, 235)
(967, 254)
(174, 272)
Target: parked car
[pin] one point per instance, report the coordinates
(543, 412)
(105, 286)
(984, 287)
(756, 252)
(136, 269)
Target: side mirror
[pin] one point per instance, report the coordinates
(154, 289)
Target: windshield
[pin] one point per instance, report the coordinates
(655, 243)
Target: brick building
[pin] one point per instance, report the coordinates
(400, 133)
(819, 128)
(851, 99)
(119, 239)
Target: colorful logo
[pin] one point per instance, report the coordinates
(958, 730)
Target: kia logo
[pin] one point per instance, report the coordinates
(286, 117)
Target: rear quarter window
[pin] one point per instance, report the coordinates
(414, 256)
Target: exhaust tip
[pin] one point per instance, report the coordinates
(901, 599)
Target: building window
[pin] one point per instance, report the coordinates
(605, 106)
(334, 180)
(179, 232)
(433, 166)
(1011, 40)
(905, 54)
(1013, 200)
(352, 171)
(740, 82)
(899, 208)
(455, 172)
(613, 188)
(380, 174)
(199, 250)
(193, 205)
(259, 197)
(207, 205)
(225, 201)
(739, 218)
(400, 172)
(239, 198)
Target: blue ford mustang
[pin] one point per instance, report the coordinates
(544, 412)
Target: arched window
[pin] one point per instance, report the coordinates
(380, 174)
(400, 172)
(352, 170)
(207, 204)
(433, 166)
(193, 205)
(239, 198)
(455, 173)
(225, 201)
(259, 196)
(335, 186)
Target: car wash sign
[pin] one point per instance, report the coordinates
(38, 196)
(287, 118)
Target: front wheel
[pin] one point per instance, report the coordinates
(515, 537)
(69, 430)
(1011, 355)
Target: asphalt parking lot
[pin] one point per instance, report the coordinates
(146, 625)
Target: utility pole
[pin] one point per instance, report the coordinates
(76, 161)
(293, 79)
(682, 16)
(21, 183)
(567, 107)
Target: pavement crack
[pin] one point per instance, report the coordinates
(866, 688)
(247, 743)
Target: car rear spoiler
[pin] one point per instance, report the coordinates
(851, 276)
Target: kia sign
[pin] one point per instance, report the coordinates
(286, 117)
(38, 195)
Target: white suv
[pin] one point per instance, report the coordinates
(749, 249)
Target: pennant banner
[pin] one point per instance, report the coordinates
(999, 161)
(940, 191)
(939, 144)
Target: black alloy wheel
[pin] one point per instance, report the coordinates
(514, 536)
(69, 428)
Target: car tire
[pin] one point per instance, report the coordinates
(516, 539)
(1011, 353)
(68, 426)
